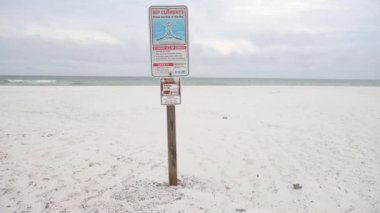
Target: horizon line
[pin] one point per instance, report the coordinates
(206, 77)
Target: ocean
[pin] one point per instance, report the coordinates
(149, 81)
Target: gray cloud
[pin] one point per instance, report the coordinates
(293, 39)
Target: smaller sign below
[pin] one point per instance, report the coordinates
(170, 91)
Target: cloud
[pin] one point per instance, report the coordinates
(64, 34)
(242, 38)
(227, 46)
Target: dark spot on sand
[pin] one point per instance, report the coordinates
(297, 186)
(240, 210)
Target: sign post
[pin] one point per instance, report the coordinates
(169, 56)
(172, 145)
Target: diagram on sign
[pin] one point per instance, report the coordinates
(169, 32)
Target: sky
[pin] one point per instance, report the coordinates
(329, 39)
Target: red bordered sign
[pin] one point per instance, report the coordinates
(169, 49)
(170, 91)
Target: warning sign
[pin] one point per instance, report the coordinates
(169, 48)
(170, 91)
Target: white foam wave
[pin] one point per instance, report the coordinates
(20, 81)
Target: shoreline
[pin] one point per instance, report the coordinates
(149, 81)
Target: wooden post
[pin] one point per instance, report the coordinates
(172, 147)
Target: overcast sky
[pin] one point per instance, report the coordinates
(240, 38)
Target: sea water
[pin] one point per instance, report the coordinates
(149, 81)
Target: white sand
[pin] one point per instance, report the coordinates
(104, 149)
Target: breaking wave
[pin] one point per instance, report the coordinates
(20, 81)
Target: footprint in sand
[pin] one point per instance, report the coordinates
(3, 155)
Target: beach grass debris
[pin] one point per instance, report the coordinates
(225, 117)
(297, 186)
(3, 155)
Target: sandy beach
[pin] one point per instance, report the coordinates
(240, 149)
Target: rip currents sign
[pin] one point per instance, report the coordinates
(169, 43)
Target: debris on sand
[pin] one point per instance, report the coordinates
(297, 186)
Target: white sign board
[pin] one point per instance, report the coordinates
(169, 49)
(170, 91)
